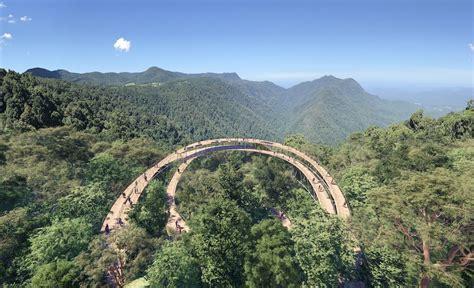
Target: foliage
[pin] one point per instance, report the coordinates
(174, 266)
(68, 150)
(275, 181)
(323, 249)
(63, 239)
(272, 262)
(60, 273)
(151, 212)
(220, 241)
(385, 268)
(411, 189)
(89, 202)
(15, 227)
(30, 103)
(127, 259)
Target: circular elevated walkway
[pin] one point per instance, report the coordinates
(326, 190)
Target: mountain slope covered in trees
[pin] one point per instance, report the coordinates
(67, 151)
(326, 110)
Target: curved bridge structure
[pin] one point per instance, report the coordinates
(324, 187)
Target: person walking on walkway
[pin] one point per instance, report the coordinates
(107, 229)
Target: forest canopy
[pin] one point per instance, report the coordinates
(68, 150)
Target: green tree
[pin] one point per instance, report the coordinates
(323, 249)
(276, 180)
(272, 262)
(89, 202)
(355, 183)
(174, 266)
(13, 192)
(385, 268)
(151, 212)
(15, 226)
(59, 273)
(231, 181)
(432, 215)
(106, 169)
(127, 258)
(470, 104)
(220, 240)
(63, 239)
(297, 141)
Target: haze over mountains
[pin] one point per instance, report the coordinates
(437, 101)
(325, 110)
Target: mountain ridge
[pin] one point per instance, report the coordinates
(151, 75)
(325, 110)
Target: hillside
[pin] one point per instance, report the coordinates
(205, 108)
(67, 151)
(328, 109)
(199, 108)
(325, 110)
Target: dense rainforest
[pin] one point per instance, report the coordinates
(67, 151)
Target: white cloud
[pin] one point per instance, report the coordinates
(6, 36)
(471, 46)
(2, 5)
(25, 18)
(10, 19)
(122, 45)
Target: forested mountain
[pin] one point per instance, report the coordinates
(151, 75)
(67, 151)
(199, 108)
(326, 110)
(205, 108)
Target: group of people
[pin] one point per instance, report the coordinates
(118, 222)
(127, 199)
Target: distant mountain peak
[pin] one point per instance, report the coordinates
(231, 76)
(329, 77)
(154, 69)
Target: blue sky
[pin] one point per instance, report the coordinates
(389, 42)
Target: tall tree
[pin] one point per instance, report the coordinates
(433, 215)
(174, 266)
(220, 239)
(323, 249)
(272, 262)
(120, 258)
(151, 212)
